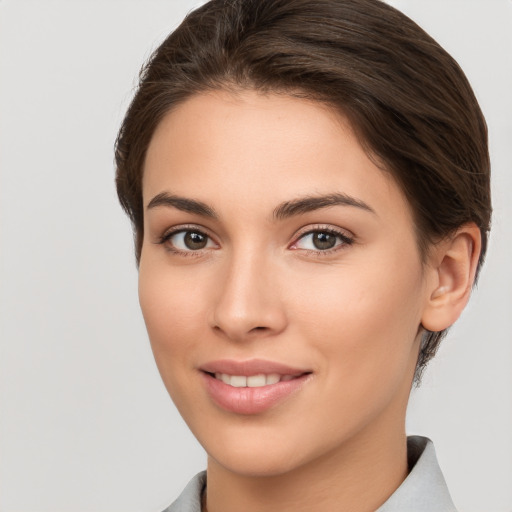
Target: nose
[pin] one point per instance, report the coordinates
(248, 302)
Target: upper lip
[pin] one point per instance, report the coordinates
(250, 367)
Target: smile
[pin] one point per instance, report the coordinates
(251, 387)
(252, 381)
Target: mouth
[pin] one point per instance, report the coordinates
(252, 381)
(251, 387)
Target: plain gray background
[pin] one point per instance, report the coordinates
(85, 423)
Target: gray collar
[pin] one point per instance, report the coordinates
(424, 489)
(190, 499)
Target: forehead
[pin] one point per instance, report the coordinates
(261, 149)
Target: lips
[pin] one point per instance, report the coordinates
(251, 387)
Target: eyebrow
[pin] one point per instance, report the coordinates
(285, 210)
(311, 203)
(182, 203)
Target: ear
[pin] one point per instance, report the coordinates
(452, 268)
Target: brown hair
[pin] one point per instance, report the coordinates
(407, 99)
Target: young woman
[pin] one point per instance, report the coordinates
(308, 183)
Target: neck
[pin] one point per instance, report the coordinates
(359, 477)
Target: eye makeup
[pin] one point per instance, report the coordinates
(187, 240)
(193, 240)
(322, 239)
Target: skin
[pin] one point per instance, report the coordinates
(352, 315)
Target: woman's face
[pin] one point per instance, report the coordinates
(280, 281)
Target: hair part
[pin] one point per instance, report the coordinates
(406, 98)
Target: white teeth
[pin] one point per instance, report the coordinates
(256, 381)
(253, 381)
(273, 378)
(238, 381)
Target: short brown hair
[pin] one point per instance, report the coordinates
(405, 96)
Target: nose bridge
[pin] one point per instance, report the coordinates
(248, 299)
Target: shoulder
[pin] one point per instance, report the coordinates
(190, 499)
(424, 489)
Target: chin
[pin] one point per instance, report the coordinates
(248, 447)
(252, 448)
(270, 463)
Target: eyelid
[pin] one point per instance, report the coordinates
(346, 236)
(180, 228)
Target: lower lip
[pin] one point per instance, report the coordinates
(251, 400)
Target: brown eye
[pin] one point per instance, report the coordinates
(188, 240)
(194, 240)
(323, 240)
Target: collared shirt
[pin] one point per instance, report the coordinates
(424, 489)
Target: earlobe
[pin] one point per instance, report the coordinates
(453, 264)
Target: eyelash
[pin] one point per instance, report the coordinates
(166, 237)
(344, 240)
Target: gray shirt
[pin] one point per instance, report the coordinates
(424, 489)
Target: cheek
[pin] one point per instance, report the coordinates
(365, 316)
(171, 307)
(363, 330)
